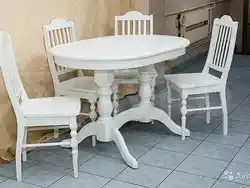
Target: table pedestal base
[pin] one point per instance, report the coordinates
(107, 131)
(106, 128)
(111, 133)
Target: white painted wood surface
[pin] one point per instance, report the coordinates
(219, 59)
(134, 23)
(61, 31)
(107, 54)
(119, 52)
(38, 112)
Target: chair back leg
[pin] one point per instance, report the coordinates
(74, 145)
(208, 112)
(115, 99)
(24, 152)
(93, 116)
(153, 91)
(169, 98)
(19, 143)
(183, 114)
(224, 111)
(56, 130)
(93, 141)
(56, 133)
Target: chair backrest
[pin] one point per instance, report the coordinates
(221, 50)
(134, 23)
(59, 31)
(12, 80)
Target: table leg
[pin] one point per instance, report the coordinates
(105, 127)
(120, 143)
(146, 110)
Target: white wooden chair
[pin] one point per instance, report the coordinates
(37, 113)
(134, 23)
(218, 61)
(60, 31)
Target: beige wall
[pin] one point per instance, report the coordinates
(23, 19)
(167, 25)
(141, 5)
(173, 6)
(236, 11)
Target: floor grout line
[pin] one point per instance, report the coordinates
(203, 141)
(153, 147)
(176, 167)
(231, 160)
(5, 179)
(69, 172)
(240, 147)
(133, 183)
(218, 179)
(138, 163)
(59, 179)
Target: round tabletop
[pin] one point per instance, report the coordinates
(119, 52)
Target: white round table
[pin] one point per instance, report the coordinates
(106, 54)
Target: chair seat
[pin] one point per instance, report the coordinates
(192, 80)
(51, 106)
(154, 73)
(79, 84)
(131, 74)
(126, 74)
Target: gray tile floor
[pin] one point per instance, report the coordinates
(205, 160)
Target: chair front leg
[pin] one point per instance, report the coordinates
(208, 112)
(115, 99)
(19, 143)
(224, 111)
(169, 98)
(56, 133)
(24, 152)
(74, 145)
(93, 116)
(56, 130)
(153, 90)
(183, 114)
